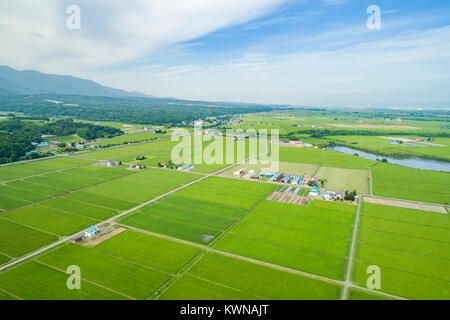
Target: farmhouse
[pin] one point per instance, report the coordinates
(91, 232)
(183, 167)
(278, 176)
(111, 164)
(297, 180)
(239, 173)
(136, 166)
(257, 175)
(287, 178)
(314, 192)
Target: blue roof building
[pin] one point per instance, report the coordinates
(91, 232)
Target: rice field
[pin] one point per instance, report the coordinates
(411, 247)
(130, 138)
(321, 157)
(21, 170)
(17, 239)
(411, 184)
(109, 270)
(304, 238)
(220, 277)
(201, 212)
(219, 238)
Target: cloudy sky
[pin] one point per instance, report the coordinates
(305, 52)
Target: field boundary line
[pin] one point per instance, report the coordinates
(198, 211)
(70, 213)
(259, 262)
(47, 172)
(11, 294)
(87, 280)
(31, 227)
(66, 192)
(6, 255)
(182, 222)
(89, 204)
(86, 151)
(320, 234)
(375, 292)
(290, 246)
(344, 290)
(180, 273)
(129, 261)
(407, 223)
(228, 287)
(77, 234)
(406, 251)
(232, 255)
(408, 272)
(32, 160)
(239, 220)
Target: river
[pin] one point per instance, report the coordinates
(424, 164)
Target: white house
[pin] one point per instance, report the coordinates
(91, 232)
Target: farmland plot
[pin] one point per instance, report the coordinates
(220, 277)
(412, 184)
(322, 157)
(201, 212)
(344, 179)
(50, 220)
(129, 279)
(143, 186)
(294, 236)
(34, 281)
(411, 247)
(17, 239)
(21, 170)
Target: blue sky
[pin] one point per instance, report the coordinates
(301, 52)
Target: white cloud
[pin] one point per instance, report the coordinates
(34, 33)
(408, 68)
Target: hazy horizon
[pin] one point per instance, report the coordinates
(318, 53)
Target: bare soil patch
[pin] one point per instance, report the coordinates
(288, 198)
(104, 237)
(405, 204)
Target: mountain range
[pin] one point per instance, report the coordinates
(14, 82)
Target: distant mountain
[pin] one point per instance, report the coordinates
(14, 82)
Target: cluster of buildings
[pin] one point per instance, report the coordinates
(282, 177)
